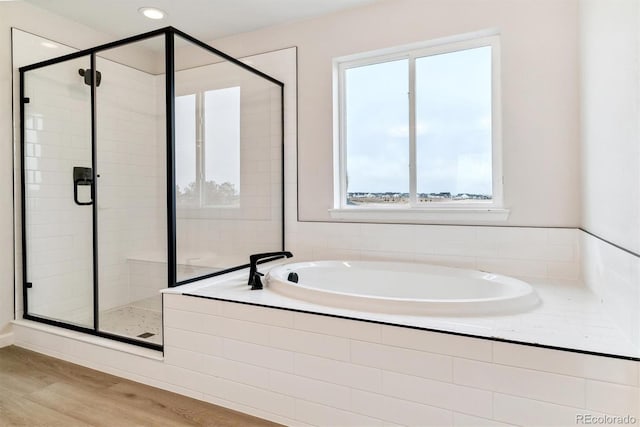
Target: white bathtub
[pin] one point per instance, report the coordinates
(403, 288)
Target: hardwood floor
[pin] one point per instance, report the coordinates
(37, 390)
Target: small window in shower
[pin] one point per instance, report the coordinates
(221, 148)
(208, 149)
(185, 128)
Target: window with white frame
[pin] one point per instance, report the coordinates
(208, 148)
(418, 127)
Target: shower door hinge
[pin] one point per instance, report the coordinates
(25, 100)
(29, 285)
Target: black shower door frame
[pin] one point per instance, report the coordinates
(169, 35)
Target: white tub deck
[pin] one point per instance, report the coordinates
(570, 315)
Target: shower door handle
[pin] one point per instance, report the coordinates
(82, 177)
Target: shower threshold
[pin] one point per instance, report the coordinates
(140, 320)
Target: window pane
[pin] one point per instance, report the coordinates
(453, 126)
(222, 147)
(377, 133)
(186, 188)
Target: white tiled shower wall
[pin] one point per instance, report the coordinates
(227, 235)
(614, 276)
(210, 239)
(57, 138)
(534, 252)
(130, 164)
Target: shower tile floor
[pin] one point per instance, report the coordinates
(135, 320)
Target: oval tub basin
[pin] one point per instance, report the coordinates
(403, 288)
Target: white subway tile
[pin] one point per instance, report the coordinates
(563, 236)
(321, 415)
(245, 331)
(435, 342)
(464, 420)
(259, 355)
(218, 367)
(311, 390)
(250, 396)
(541, 251)
(264, 315)
(369, 255)
(399, 411)
(435, 393)
(193, 341)
(567, 363)
(473, 373)
(446, 260)
(613, 399)
(363, 331)
(561, 389)
(563, 270)
(411, 362)
(522, 235)
(192, 321)
(337, 372)
(515, 267)
(527, 412)
(309, 343)
(186, 378)
(199, 305)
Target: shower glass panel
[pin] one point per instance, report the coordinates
(228, 162)
(148, 163)
(131, 185)
(58, 195)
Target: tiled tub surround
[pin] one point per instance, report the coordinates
(328, 371)
(614, 276)
(520, 251)
(305, 369)
(569, 316)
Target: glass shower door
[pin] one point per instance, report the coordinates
(58, 188)
(131, 219)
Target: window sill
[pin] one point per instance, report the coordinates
(420, 215)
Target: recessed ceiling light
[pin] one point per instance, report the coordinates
(49, 45)
(152, 12)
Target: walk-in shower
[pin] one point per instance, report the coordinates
(146, 163)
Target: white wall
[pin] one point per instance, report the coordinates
(610, 119)
(540, 91)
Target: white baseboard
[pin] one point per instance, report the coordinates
(6, 339)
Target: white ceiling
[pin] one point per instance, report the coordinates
(203, 19)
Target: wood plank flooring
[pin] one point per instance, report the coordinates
(37, 390)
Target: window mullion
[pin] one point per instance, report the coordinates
(413, 199)
(200, 178)
(343, 139)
